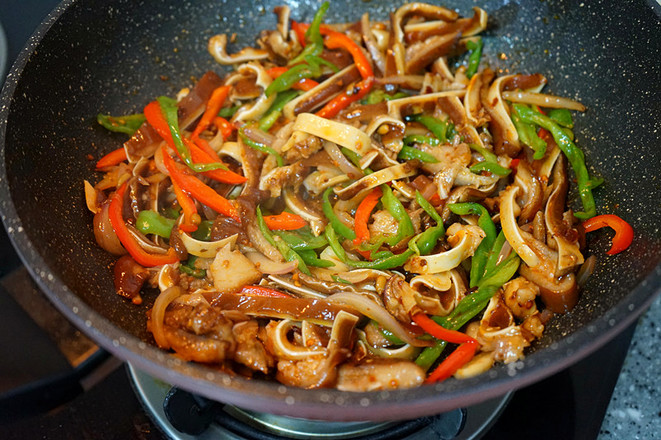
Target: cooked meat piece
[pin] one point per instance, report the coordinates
(250, 350)
(379, 375)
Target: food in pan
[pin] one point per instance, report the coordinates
(362, 206)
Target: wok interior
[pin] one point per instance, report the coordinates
(114, 59)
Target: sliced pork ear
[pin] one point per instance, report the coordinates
(218, 49)
(565, 237)
(415, 32)
(559, 294)
(368, 38)
(421, 54)
(506, 138)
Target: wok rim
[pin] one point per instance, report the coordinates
(325, 404)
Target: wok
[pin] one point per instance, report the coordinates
(93, 56)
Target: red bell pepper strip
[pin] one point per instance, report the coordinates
(304, 84)
(141, 256)
(157, 121)
(338, 40)
(113, 158)
(457, 358)
(226, 127)
(623, 230)
(341, 101)
(363, 213)
(542, 132)
(215, 103)
(263, 291)
(191, 217)
(198, 190)
(285, 221)
(299, 29)
(439, 332)
(200, 154)
(453, 362)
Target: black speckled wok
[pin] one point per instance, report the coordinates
(115, 56)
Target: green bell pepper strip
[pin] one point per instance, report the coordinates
(428, 208)
(342, 229)
(438, 127)
(389, 262)
(169, 110)
(380, 95)
(420, 139)
(261, 147)
(128, 124)
(311, 259)
(355, 159)
(301, 241)
(474, 58)
(289, 78)
(492, 256)
(479, 260)
(151, 222)
(562, 116)
(486, 154)
(491, 167)
(337, 279)
(228, 112)
(424, 243)
(528, 136)
(574, 155)
(315, 42)
(315, 62)
(280, 244)
(474, 303)
(410, 153)
(203, 231)
(396, 209)
(274, 112)
(188, 267)
(390, 336)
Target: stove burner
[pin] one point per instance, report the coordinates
(182, 415)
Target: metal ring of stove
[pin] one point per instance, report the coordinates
(479, 418)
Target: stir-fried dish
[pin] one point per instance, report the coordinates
(362, 205)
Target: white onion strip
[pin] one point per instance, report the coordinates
(268, 266)
(511, 229)
(378, 313)
(205, 249)
(341, 160)
(542, 100)
(158, 314)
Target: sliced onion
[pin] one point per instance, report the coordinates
(542, 100)
(586, 270)
(144, 242)
(341, 160)
(511, 228)
(91, 197)
(206, 249)
(406, 351)
(268, 266)
(259, 136)
(158, 314)
(378, 313)
(304, 292)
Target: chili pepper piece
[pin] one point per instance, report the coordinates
(141, 256)
(285, 221)
(457, 359)
(115, 157)
(215, 103)
(128, 124)
(623, 231)
(439, 332)
(198, 190)
(343, 100)
(363, 212)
